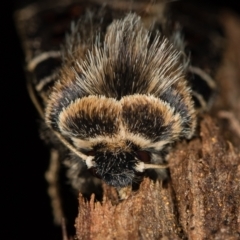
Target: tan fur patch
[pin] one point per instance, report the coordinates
(110, 110)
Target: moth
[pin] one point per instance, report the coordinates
(115, 90)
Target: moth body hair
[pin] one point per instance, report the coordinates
(126, 84)
(121, 98)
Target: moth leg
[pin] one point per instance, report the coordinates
(159, 174)
(64, 230)
(203, 88)
(52, 177)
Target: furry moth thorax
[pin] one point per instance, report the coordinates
(120, 101)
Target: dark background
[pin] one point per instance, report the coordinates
(25, 209)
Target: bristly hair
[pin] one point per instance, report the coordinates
(129, 61)
(126, 89)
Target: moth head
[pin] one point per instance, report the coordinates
(117, 169)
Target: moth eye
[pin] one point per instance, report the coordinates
(93, 171)
(91, 153)
(144, 156)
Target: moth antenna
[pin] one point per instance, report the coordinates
(141, 166)
(87, 159)
(33, 97)
(153, 166)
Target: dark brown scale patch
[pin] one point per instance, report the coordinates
(84, 126)
(176, 101)
(145, 119)
(90, 117)
(68, 94)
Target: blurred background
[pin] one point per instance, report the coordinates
(25, 206)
